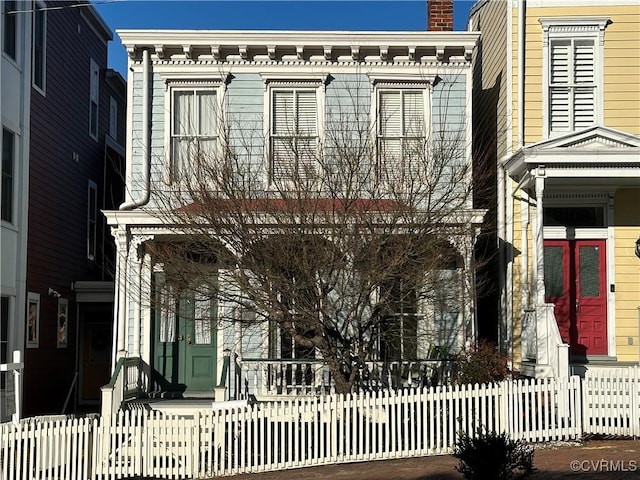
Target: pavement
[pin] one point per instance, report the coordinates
(591, 460)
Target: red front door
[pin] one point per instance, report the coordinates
(575, 281)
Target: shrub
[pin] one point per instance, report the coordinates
(481, 364)
(491, 455)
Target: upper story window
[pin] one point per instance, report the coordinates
(39, 46)
(294, 122)
(10, 25)
(194, 127)
(294, 133)
(94, 91)
(573, 50)
(402, 132)
(8, 164)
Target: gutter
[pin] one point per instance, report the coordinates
(139, 202)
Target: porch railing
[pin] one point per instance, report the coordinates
(262, 377)
(131, 379)
(542, 342)
(528, 337)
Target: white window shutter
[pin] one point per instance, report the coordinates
(390, 114)
(294, 134)
(413, 108)
(584, 78)
(584, 58)
(572, 84)
(307, 113)
(560, 63)
(283, 113)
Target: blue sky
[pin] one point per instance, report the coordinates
(265, 15)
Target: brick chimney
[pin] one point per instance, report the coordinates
(440, 15)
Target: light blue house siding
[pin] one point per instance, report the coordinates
(244, 105)
(347, 115)
(157, 149)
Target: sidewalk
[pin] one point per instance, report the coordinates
(594, 460)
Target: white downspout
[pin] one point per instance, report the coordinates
(521, 35)
(146, 164)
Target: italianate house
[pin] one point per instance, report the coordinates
(299, 211)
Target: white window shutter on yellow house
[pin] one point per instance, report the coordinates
(572, 85)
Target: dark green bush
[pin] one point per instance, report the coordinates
(491, 455)
(481, 364)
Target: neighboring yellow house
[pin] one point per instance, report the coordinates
(557, 108)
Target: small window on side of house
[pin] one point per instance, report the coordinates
(39, 47)
(5, 305)
(113, 118)
(92, 219)
(10, 25)
(94, 100)
(8, 166)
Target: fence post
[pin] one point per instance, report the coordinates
(635, 411)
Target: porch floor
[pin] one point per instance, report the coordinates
(187, 404)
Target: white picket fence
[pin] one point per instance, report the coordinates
(611, 402)
(308, 431)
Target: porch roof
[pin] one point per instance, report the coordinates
(595, 155)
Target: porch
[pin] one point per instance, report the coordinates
(135, 385)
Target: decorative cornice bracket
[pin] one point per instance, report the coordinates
(215, 52)
(159, 50)
(271, 51)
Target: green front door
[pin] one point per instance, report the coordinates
(185, 353)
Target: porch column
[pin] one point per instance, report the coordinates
(145, 307)
(464, 243)
(540, 291)
(120, 297)
(137, 294)
(543, 349)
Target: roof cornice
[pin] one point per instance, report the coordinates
(247, 43)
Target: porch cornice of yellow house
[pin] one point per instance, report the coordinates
(593, 152)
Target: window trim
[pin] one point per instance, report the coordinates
(94, 98)
(92, 219)
(39, 8)
(175, 84)
(282, 82)
(33, 299)
(16, 28)
(573, 28)
(12, 177)
(393, 83)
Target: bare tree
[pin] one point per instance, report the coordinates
(339, 241)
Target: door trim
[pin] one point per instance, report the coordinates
(606, 234)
